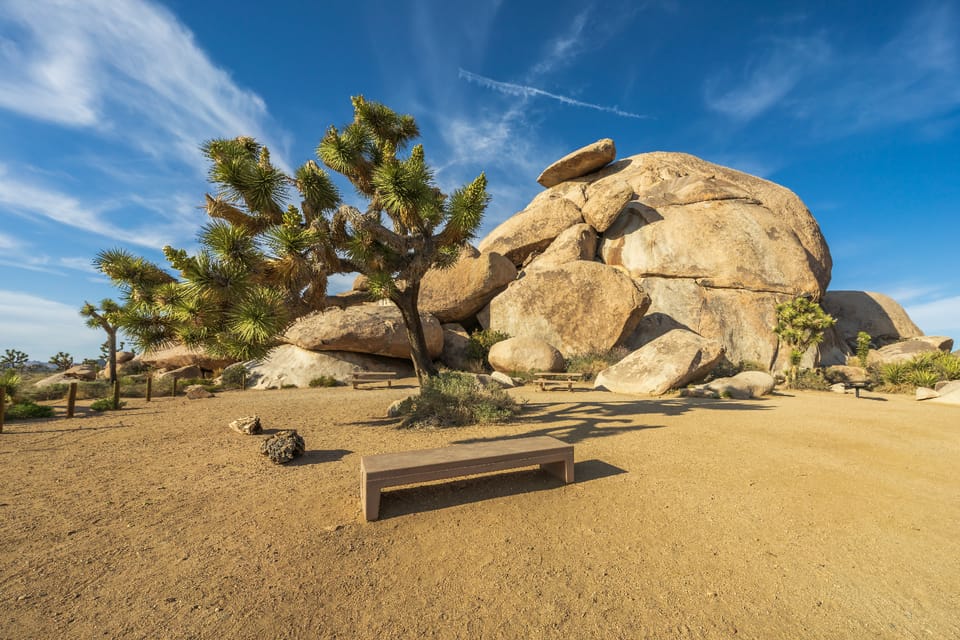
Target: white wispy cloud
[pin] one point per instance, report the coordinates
(37, 202)
(938, 317)
(768, 78)
(564, 47)
(837, 89)
(41, 327)
(525, 91)
(8, 243)
(127, 69)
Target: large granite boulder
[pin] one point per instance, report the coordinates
(368, 328)
(580, 307)
(181, 356)
(524, 354)
(875, 313)
(907, 349)
(668, 362)
(81, 372)
(290, 365)
(456, 344)
(606, 200)
(579, 163)
(579, 242)
(459, 292)
(532, 230)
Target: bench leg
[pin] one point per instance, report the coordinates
(562, 469)
(369, 499)
(856, 391)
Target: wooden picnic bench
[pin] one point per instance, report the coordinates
(856, 386)
(373, 376)
(556, 380)
(410, 467)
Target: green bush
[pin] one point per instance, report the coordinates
(233, 376)
(325, 381)
(28, 409)
(894, 373)
(456, 399)
(593, 362)
(922, 378)
(10, 381)
(949, 366)
(480, 342)
(48, 392)
(810, 379)
(104, 404)
(863, 347)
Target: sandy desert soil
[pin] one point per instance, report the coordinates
(803, 515)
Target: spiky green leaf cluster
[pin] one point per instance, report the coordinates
(801, 323)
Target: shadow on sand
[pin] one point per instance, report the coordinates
(319, 456)
(432, 497)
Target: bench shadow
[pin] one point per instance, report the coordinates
(452, 493)
(319, 456)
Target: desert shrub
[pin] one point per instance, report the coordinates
(456, 399)
(288, 386)
(325, 381)
(48, 392)
(93, 389)
(28, 409)
(233, 376)
(104, 404)
(894, 373)
(923, 378)
(480, 342)
(810, 379)
(726, 369)
(593, 362)
(949, 366)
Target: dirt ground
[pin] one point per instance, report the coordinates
(803, 515)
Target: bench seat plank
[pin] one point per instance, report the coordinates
(395, 469)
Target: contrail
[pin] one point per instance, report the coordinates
(511, 89)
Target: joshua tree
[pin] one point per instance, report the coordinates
(801, 323)
(109, 317)
(14, 359)
(62, 361)
(263, 264)
(428, 228)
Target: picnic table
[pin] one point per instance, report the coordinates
(548, 379)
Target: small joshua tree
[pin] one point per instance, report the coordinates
(109, 317)
(62, 361)
(801, 324)
(14, 359)
(863, 347)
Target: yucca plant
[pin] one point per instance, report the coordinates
(894, 373)
(949, 366)
(922, 378)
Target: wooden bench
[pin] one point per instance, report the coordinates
(409, 467)
(556, 380)
(856, 386)
(373, 376)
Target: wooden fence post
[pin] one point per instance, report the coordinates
(243, 381)
(149, 387)
(174, 386)
(72, 399)
(3, 406)
(116, 395)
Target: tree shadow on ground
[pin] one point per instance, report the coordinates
(432, 497)
(574, 422)
(319, 456)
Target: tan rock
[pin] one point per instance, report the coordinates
(524, 354)
(81, 372)
(574, 190)
(845, 373)
(290, 365)
(579, 242)
(456, 342)
(375, 329)
(459, 292)
(180, 356)
(668, 362)
(900, 351)
(181, 373)
(531, 230)
(125, 356)
(579, 163)
(605, 202)
(197, 392)
(743, 386)
(923, 393)
(875, 313)
(578, 307)
(940, 343)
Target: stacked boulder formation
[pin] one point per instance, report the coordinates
(678, 261)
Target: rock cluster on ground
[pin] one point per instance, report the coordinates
(283, 446)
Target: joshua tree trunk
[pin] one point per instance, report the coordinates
(112, 360)
(406, 301)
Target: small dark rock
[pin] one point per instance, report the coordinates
(283, 446)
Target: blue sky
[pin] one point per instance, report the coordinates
(103, 103)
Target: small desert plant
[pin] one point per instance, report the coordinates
(949, 366)
(894, 373)
(863, 347)
(801, 324)
(593, 362)
(480, 342)
(922, 378)
(325, 381)
(48, 392)
(811, 379)
(233, 376)
(93, 389)
(456, 399)
(104, 404)
(10, 382)
(28, 409)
